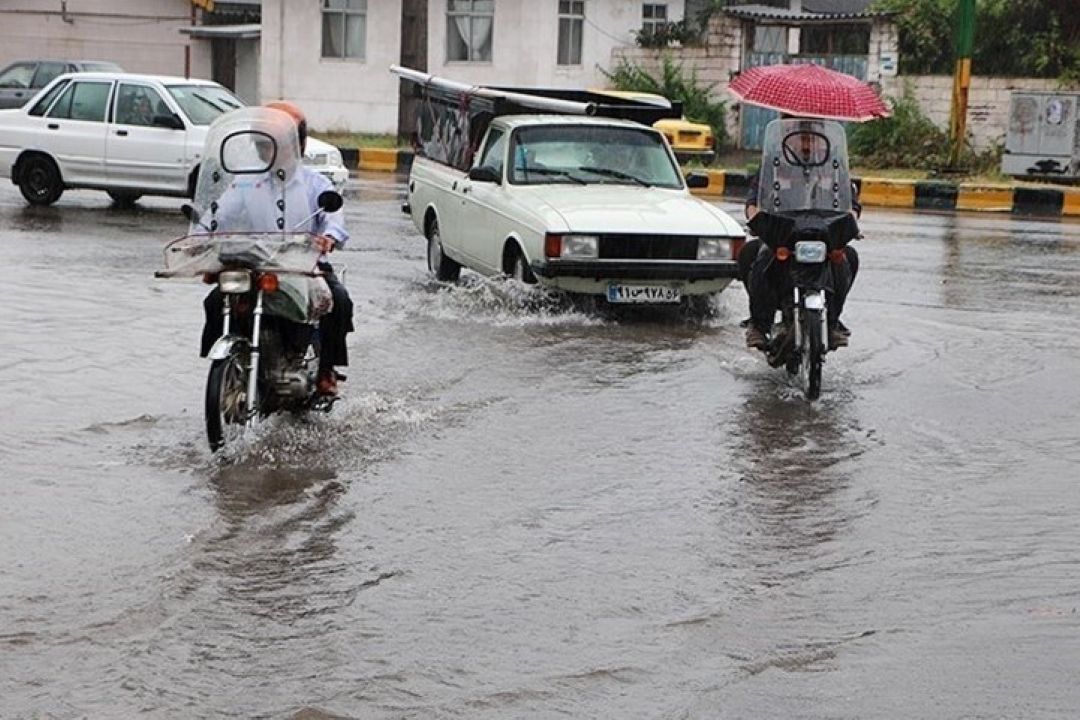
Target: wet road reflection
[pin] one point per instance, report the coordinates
(528, 507)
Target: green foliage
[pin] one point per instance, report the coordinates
(909, 139)
(1033, 38)
(697, 99)
(684, 32)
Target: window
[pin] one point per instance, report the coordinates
(835, 40)
(82, 101)
(494, 151)
(770, 39)
(203, 103)
(653, 17)
(344, 27)
(17, 76)
(47, 72)
(138, 104)
(571, 24)
(468, 30)
(43, 104)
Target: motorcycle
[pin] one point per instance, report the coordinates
(252, 235)
(805, 223)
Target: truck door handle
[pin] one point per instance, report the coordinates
(53, 126)
(122, 133)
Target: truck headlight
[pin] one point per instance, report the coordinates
(580, 246)
(713, 248)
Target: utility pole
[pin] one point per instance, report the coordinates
(965, 39)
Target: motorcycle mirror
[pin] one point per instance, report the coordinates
(330, 201)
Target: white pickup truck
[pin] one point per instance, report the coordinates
(583, 204)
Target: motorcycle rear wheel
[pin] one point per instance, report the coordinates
(226, 398)
(810, 352)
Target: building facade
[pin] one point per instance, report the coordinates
(332, 56)
(139, 35)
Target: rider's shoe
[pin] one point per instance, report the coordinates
(837, 339)
(843, 329)
(326, 385)
(756, 339)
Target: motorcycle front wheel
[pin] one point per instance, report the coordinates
(226, 397)
(810, 353)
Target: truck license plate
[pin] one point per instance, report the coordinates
(643, 294)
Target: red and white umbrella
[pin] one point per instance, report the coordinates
(809, 91)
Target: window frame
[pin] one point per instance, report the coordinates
(48, 99)
(72, 88)
(573, 19)
(652, 24)
(472, 14)
(344, 14)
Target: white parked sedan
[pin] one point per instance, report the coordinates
(129, 135)
(583, 204)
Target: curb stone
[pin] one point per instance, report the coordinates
(940, 195)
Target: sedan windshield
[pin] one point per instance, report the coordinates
(203, 103)
(587, 154)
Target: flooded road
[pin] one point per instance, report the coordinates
(527, 510)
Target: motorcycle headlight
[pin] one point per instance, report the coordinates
(810, 251)
(580, 246)
(234, 281)
(713, 248)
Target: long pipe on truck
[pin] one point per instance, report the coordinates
(566, 107)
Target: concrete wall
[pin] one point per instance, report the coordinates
(988, 101)
(358, 95)
(525, 43)
(247, 70)
(139, 35)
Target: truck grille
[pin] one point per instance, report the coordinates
(648, 247)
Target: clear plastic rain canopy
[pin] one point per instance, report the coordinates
(249, 178)
(251, 205)
(804, 166)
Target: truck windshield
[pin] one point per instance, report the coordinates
(203, 103)
(581, 154)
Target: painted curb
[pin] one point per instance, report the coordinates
(938, 195)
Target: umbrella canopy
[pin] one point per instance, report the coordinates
(809, 91)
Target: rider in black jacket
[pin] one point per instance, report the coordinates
(764, 296)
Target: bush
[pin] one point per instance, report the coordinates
(697, 99)
(909, 139)
(682, 32)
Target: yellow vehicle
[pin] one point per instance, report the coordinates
(689, 140)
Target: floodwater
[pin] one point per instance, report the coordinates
(523, 509)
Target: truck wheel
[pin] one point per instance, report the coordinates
(520, 269)
(39, 181)
(444, 268)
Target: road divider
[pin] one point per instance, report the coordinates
(940, 195)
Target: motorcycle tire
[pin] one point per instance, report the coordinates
(811, 353)
(226, 398)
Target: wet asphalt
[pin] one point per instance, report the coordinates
(525, 508)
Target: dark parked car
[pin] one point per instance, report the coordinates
(20, 81)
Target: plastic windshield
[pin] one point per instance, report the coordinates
(203, 253)
(804, 166)
(250, 176)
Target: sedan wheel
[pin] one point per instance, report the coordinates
(39, 181)
(521, 270)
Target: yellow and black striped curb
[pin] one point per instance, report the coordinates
(881, 192)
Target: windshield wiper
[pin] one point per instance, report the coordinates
(608, 172)
(209, 102)
(527, 171)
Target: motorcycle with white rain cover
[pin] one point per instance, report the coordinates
(805, 223)
(252, 235)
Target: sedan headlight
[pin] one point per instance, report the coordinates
(713, 248)
(234, 281)
(580, 246)
(334, 158)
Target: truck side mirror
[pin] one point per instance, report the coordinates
(484, 173)
(696, 180)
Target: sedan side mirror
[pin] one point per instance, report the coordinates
(171, 121)
(330, 201)
(485, 173)
(189, 213)
(696, 180)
